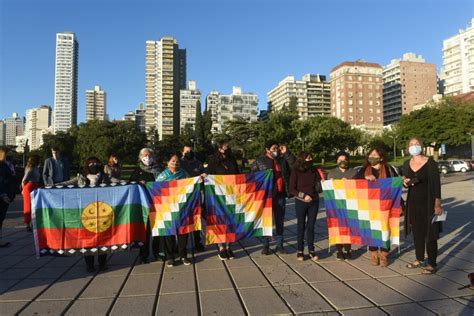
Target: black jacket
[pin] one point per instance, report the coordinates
(285, 162)
(217, 164)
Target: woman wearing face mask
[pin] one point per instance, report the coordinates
(376, 167)
(342, 171)
(303, 182)
(174, 172)
(112, 169)
(421, 177)
(147, 170)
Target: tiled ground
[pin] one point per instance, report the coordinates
(252, 283)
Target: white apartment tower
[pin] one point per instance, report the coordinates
(65, 81)
(14, 126)
(165, 77)
(188, 104)
(237, 106)
(38, 123)
(96, 104)
(458, 62)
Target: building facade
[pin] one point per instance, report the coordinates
(14, 126)
(356, 94)
(407, 82)
(3, 133)
(189, 99)
(236, 106)
(96, 104)
(165, 77)
(458, 62)
(65, 81)
(38, 123)
(138, 116)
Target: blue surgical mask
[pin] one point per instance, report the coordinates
(414, 150)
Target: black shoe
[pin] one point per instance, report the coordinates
(199, 248)
(313, 256)
(159, 258)
(29, 229)
(5, 244)
(185, 261)
(90, 269)
(222, 254)
(348, 255)
(340, 256)
(230, 254)
(143, 260)
(280, 250)
(170, 263)
(265, 251)
(300, 256)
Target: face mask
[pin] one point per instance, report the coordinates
(343, 164)
(147, 160)
(414, 150)
(173, 164)
(189, 155)
(374, 161)
(275, 154)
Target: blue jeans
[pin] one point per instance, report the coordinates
(278, 208)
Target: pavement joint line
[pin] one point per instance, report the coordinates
(47, 287)
(270, 283)
(196, 278)
(237, 291)
(158, 289)
(122, 286)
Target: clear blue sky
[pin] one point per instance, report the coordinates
(253, 44)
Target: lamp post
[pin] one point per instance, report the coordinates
(303, 139)
(394, 137)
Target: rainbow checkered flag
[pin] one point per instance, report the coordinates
(175, 207)
(238, 206)
(363, 212)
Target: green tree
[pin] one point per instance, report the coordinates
(127, 141)
(241, 134)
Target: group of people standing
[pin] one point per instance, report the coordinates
(293, 176)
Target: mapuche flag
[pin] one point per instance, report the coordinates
(175, 206)
(75, 221)
(363, 212)
(238, 206)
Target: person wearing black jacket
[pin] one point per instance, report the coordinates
(222, 162)
(6, 190)
(148, 170)
(303, 183)
(280, 160)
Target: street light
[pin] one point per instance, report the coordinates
(303, 139)
(394, 137)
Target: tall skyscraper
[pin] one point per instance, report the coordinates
(14, 126)
(237, 106)
(313, 95)
(65, 85)
(3, 133)
(406, 83)
(188, 103)
(165, 77)
(356, 94)
(96, 104)
(458, 62)
(38, 123)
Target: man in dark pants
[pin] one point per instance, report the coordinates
(280, 160)
(193, 168)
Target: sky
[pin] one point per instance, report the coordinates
(252, 44)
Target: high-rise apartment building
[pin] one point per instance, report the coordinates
(165, 77)
(96, 104)
(407, 82)
(14, 126)
(65, 81)
(138, 116)
(3, 133)
(236, 106)
(38, 123)
(312, 93)
(457, 72)
(356, 94)
(188, 103)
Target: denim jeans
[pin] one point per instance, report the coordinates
(306, 214)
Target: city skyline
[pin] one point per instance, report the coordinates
(217, 58)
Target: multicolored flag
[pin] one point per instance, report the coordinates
(238, 206)
(176, 206)
(363, 212)
(75, 221)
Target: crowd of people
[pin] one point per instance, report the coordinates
(293, 177)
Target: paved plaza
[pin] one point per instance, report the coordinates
(252, 283)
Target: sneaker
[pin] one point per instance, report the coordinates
(230, 254)
(170, 263)
(222, 254)
(185, 261)
(340, 256)
(265, 251)
(348, 255)
(280, 250)
(300, 256)
(313, 256)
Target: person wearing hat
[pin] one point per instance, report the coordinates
(280, 160)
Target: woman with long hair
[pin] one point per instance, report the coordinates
(112, 169)
(30, 182)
